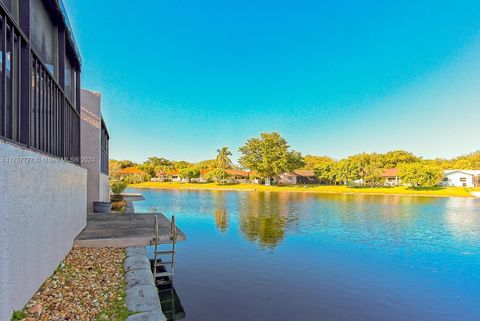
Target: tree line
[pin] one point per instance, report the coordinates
(269, 155)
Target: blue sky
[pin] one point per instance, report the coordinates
(180, 79)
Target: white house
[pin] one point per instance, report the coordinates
(461, 178)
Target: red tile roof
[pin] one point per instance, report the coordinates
(131, 170)
(235, 172)
(391, 172)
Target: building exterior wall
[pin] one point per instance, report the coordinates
(42, 210)
(98, 187)
(455, 179)
(104, 189)
(391, 181)
(286, 178)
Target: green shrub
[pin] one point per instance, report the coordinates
(19, 315)
(118, 186)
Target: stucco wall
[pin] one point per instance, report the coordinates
(90, 144)
(104, 188)
(42, 209)
(454, 179)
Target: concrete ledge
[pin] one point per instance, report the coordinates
(143, 298)
(141, 294)
(140, 278)
(147, 316)
(139, 262)
(135, 250)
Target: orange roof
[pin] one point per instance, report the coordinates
(304, 172)
(131, 170)
(235, 172)
(163, 173)
(391, 172)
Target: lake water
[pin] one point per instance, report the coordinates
(297, 256)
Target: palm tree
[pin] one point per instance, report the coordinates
(223, 159)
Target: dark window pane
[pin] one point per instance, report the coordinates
(70, 79)
(9, 81)
(7, 3)
(1, 80)
(44, 35)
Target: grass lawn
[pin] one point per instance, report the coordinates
(400, 190)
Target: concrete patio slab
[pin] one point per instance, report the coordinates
(117, 230)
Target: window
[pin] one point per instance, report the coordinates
(9, 84)
(70, 80)
(445, 179)
(44, 35)
(12, 6)
(463, 179)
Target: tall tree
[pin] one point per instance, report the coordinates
(154, 164)
(418, 174)
(469, 161)
(269, 155)
(223, 160)
(366, 167)
(312, 161)
(208, 164)
(347, 171)
(398, 157)
(325, 171)
(189, 173)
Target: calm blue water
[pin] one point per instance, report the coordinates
(285, 256)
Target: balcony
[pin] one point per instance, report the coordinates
(34, 110)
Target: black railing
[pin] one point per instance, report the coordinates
(34, 110)
(10, 44)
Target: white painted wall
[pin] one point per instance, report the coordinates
(98, 186)
(455, 179)
(42, 209)
(104, 188)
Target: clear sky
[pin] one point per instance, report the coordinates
(180, 79)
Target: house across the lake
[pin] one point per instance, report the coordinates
(237, 176)
(170, 176)
(391, 176)
(299, 176)
(461, 178)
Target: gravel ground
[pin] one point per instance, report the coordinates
(88, 285)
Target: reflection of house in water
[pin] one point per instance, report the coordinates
(463, 218)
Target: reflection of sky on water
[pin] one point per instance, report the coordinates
(416, 257)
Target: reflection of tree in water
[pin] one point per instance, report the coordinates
(262, 220)
(220, 214)
(221, 220)
(267, 229)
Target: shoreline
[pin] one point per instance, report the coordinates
(314, 189)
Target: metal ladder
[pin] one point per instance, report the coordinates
(163, 270)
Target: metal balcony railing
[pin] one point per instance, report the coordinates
(34, 111)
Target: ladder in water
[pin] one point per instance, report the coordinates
(167, 299)
(164, 260)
